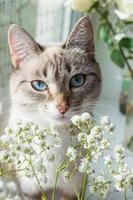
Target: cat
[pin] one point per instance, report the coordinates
(50, 84)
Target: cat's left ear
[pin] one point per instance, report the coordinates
(22, 46)
(82, 36)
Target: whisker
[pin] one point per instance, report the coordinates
(96, 113)
(104, 106)
(101, 102)
(95, 103)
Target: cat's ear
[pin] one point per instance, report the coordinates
(21, 45)
(81, 36)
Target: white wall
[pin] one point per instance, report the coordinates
(50, 21)
(111, 74)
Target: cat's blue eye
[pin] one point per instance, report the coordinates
(77, 80)
(39, 85)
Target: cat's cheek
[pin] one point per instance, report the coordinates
(52, 110)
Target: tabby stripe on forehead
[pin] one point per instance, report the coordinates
(58, 60)
(68, 67)
(45, 72)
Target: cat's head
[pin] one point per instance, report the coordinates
(57, 81)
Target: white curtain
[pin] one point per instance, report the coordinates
(54, 21)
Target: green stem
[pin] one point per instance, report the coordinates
(13, 171)
(127, 63)
(77, 194)
(41, 189)
(55, 185)
(125, 195)
(113, 32)
(84, 186)
(43, 194)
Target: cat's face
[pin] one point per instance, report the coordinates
(57, 81)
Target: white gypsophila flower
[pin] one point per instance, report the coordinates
(90, 170)
(108, 160)
(97, 156)
(51, 157)
(91, 140)
(83, 165)
(66, 176)
(71, 153)
(100, 177)
(86, 146)
(110, 128)
(5, 138)
(118, 186)
(119, 152)
(123, 15)
(119, 149)
(105, 144)
(125, 9)
(82, 5)
(119, 36)
(105, 120)
(7, 130)
(123, 168)
(58, 142)
(107, 125)
(27, 141)
(15, 127)
(28, 172)
(76, 119)
(100, 186)
(54, 131)
(96, 131)
(82, 136)
(122, 182)
(86, 116)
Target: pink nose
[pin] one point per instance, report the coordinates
(63, 108)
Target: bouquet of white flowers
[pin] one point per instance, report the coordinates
(23, 143)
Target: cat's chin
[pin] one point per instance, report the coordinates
(60, 120)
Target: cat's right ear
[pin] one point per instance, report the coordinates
(82, 36)
(21, 45)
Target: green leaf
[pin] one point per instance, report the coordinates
(43, 198)
(117, 57)
(104, 32)
(126, 42)
(110, 42)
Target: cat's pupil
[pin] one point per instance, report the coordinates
(77, 80)
(39, 85)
